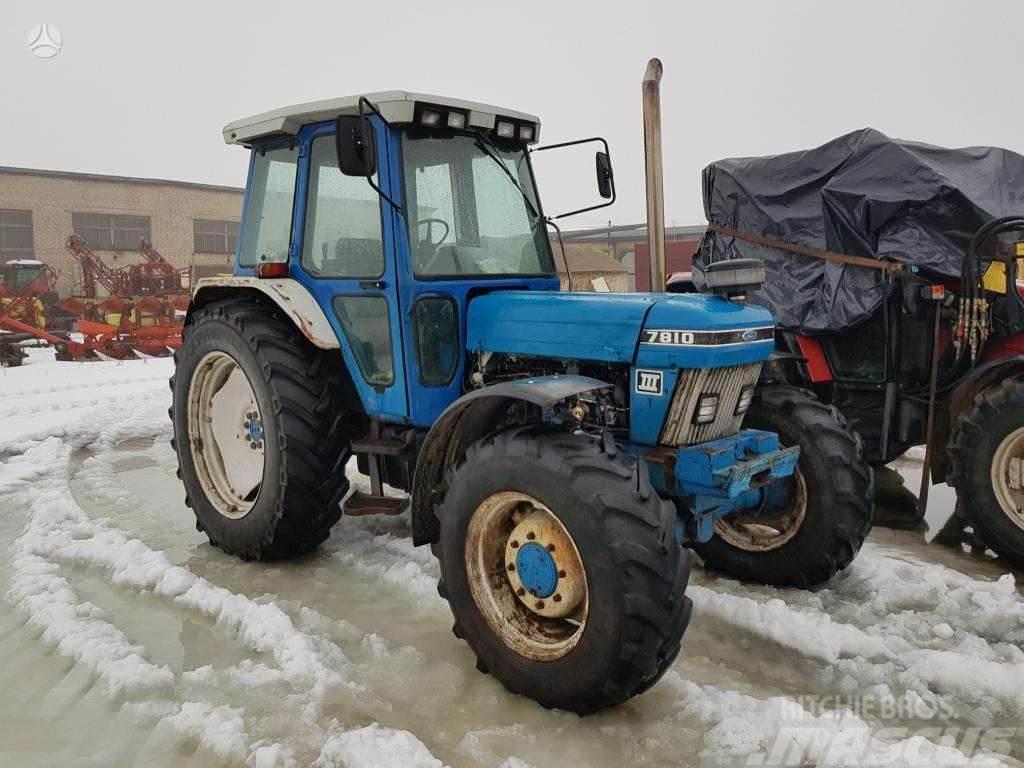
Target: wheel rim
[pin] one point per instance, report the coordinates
(526, 576)
(1007, 479)
(762, 532)
(226, 435)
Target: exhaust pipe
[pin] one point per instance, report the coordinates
(653, 168)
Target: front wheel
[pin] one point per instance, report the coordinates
(986, 458)
(560, 564)
(824, 514)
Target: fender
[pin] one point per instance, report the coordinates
(289, 295)
(961, 399)
(467, 420)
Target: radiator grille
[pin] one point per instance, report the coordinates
(727, 383)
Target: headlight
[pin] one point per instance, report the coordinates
(457, 120)
(706, 410)
(526, 132)
(430, 117)
(506, 130)
(746, 398)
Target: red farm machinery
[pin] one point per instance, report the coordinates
(139, 312)
(122, 312)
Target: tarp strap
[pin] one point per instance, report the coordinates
(898, 270)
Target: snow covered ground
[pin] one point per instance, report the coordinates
(127, 640)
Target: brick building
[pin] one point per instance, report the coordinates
(190, 224)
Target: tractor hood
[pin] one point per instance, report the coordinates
(658, 330)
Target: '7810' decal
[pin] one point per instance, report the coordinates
(676, 338)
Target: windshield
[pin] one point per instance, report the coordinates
(467, 214)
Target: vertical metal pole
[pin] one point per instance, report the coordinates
(653, 168)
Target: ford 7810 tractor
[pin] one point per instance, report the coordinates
(395, 298)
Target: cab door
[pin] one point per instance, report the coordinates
(345, 255)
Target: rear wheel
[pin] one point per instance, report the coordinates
(824, 514)
(986, 457)
(561, 568)
(259, 430)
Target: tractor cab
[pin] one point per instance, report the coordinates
(394, 210)
(24, 276)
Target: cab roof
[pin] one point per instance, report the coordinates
(396, 106)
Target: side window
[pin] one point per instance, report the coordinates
(342, 236)
(437, 339)
(367, 326)
(268, 209)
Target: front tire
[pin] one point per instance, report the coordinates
(596, 614)
(828, 503)
(270, 485)
(986, 440)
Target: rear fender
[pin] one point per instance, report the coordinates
(289, 296)
(468, 419)
(973, 384)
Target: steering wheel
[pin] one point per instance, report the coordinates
(428, 260)
(430, 230)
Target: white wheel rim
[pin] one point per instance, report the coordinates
(226, 435)
(764, 532)
(540, 626)
(1007, 479)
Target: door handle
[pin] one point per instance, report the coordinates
(380, 285)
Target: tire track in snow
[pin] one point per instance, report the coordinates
(60, 533)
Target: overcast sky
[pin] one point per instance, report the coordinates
(143, 88)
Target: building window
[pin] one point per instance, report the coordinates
(215, 236)
(16, 240)
(107, 232)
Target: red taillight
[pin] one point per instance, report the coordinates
(272, 269)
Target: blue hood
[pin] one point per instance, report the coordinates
(607, 327)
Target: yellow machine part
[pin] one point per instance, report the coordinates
(995, 276)
(21, 314)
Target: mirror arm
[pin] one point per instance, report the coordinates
(611, 179)
(565, 256)
(366, 103)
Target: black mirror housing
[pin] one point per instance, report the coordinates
(604, 175)
(356, 146)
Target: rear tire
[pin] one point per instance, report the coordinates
(991, 427)
(305, 440)
(634, 572)
(837, 492)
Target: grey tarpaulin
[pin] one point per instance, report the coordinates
(862, 194)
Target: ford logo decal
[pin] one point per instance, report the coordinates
(750, 335)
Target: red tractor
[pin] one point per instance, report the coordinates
(893, 272)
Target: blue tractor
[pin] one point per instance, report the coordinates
(395, 298)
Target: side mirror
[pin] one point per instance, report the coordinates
(356, 145)
(604, 175)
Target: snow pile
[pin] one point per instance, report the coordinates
(375, 747)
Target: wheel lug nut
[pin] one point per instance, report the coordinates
(561, 574)
(557, 598)
(514, 544)
(531, 536)
(551, 547)
(520, 591)
(540, 603)
(511, 567)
